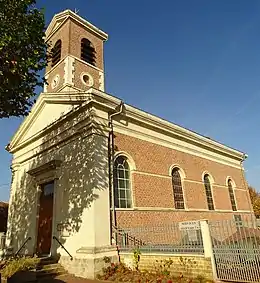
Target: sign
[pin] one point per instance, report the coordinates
(189, 225)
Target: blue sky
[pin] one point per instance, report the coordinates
(195, 63)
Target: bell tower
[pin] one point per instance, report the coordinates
(76, 48)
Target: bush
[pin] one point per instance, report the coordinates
(15, 265)
(118, 272)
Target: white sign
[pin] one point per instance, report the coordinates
(192, 235)
(189, 225)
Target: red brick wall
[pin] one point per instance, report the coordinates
(152, 185)
(71, 34)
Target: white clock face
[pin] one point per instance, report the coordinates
(55, 81)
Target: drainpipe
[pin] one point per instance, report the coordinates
(111, 153)
(244, 179)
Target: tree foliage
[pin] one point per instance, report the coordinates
(255, 199)
(22, 55)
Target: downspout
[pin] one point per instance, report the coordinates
(111, 153)
(244, 180)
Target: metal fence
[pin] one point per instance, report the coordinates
(236, 249)
(161, 238)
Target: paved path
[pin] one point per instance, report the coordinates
(68, 279)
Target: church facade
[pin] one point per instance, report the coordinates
(83, 161)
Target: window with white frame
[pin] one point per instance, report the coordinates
(122, 184)
(208, 192)
(231, 195)
(177, 189)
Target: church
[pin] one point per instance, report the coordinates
(85, 162)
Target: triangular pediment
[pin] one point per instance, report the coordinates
(59, 19)
(48, 109)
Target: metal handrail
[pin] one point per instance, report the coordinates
(55, 238)
(28, 239)
(121, 232)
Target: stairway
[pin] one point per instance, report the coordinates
(48, 269)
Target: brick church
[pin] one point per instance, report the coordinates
(84, 161)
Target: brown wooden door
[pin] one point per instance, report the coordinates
(45, 219)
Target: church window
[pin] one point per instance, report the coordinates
(122, 185)
(231, 195)
(88, 53)
(177, 189)
(208, 191)
(56, 53)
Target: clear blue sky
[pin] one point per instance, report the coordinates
(195, 63)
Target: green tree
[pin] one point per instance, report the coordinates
(22, 55)
(255, 199)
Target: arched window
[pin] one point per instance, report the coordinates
(56, 53)
(231, 195)
(88, 53)
(177, 189)
(208, 192)
(122, 188)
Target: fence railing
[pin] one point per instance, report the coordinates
(236, 249)
(161, 238)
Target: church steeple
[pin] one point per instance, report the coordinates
(77, 54)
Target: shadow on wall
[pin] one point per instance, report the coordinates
(80, 144)
(3, 216)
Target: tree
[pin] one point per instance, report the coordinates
(22, 55)
(255, 199)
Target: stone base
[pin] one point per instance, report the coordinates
(88, 262)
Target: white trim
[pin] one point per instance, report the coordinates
(131, 164)
(136, 208)
(148, 254)
(91, 80)
(216, 185)
(183, 176)
(123, 209)
(172, 145)
(210, 177)
(233, 184)
(86, 63)
(69, 14)
(57, 78)
(152, 174)
(55, 66)
(215, 152)
(69, 70)
(101, 81)
(45, 84)
(182, 173)
(232, 181)
(128, 157)
(211, 182)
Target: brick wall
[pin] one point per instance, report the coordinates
(152, 191)
(71, 34)
(201, 265)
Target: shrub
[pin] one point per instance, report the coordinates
(15, 265)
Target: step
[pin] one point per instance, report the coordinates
(50, 270)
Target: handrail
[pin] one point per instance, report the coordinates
(28, 239)
(55, 238)
(121, 232)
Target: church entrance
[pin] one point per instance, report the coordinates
(44, 237)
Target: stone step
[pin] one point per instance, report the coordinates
(50, 270)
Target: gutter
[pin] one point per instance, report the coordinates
(111, 156)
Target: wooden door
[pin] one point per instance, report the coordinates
(45, 219)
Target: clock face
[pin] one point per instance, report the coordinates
(55, 81)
